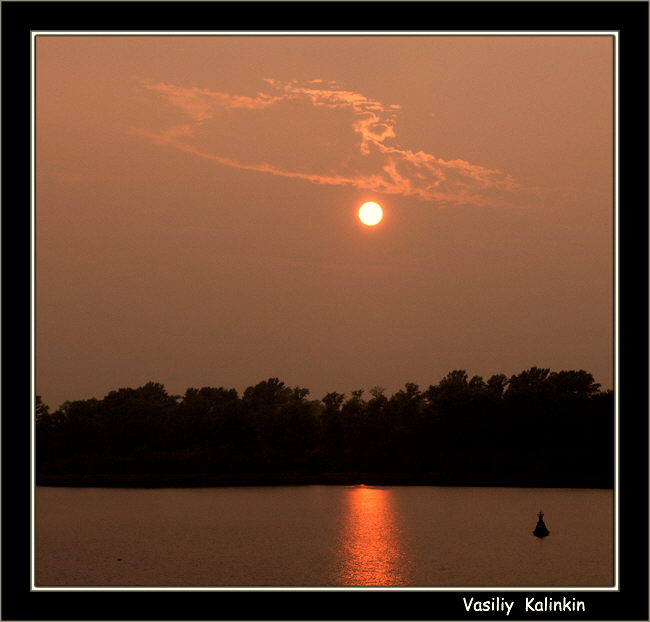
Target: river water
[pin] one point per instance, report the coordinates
(323, 536)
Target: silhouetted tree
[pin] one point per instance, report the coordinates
(42, 410)
(268, 395)
(496, 384)
(578, 384)
(333, 402)
(530, 382)
(533, 428)
(355, 404)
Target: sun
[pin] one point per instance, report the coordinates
(370, 213)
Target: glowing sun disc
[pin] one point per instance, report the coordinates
(370, 213)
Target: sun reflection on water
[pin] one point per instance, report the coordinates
(371, 553)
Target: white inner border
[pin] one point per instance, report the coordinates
(614, 34)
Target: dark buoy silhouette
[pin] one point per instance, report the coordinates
(540, 529)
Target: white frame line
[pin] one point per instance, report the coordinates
(312, 33)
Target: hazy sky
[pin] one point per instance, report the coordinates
(196, 203)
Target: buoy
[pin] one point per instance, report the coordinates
(541, 530)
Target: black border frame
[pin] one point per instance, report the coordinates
(629, 18)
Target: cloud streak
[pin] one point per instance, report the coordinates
(376, 162)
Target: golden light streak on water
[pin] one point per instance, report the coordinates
(371, 552)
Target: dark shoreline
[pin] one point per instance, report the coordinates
(207, 480)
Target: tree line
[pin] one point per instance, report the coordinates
(535, 428)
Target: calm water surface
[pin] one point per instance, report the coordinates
(417, 536)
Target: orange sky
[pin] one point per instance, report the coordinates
(196, 207)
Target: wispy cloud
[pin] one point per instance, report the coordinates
(377, 162)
